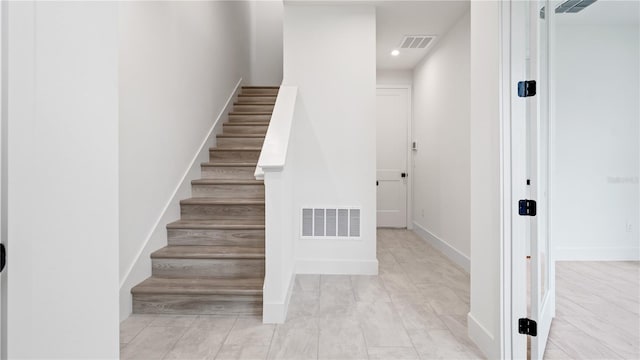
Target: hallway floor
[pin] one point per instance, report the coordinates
(414, 309)
(597, 311)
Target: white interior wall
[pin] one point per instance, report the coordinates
(62, 181)
(334, 127)
(394, 77)
(596, 154)
(441, 99)
(266, 42)
(485, 226)
(179, 63)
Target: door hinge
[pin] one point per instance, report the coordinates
(527, 88)
(3, 257)
(527, 327)
(527, 207)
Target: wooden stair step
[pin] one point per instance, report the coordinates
(228, 188)
(231, 232)
(260, 90)
(227, 182)
(217, 224)
(262, 117)
(206, 208)
(230, 170)
(252, 107)
(199, 261)
(244, 128)
(268, 99)
(234, 155)
(191, 296)
(208, 252)
(205, 286)
(240, 140)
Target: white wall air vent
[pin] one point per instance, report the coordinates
(330, 222)
(415, 41)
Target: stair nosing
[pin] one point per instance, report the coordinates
(236, 253)
(208, 224)
(249, 113)
(206, 181)
(235, 149)
(204, 288)
(239, 164)
(216, 201)
(241, 136)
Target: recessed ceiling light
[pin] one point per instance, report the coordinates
(395, 53)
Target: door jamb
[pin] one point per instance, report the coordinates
(409, 165)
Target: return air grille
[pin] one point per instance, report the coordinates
(330, 223)
(415, 41)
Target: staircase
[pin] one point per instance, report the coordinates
(214, 261)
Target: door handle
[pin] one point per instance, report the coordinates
(377, 183)
(3, 257)
(404, 175)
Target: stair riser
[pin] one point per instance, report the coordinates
(228, 172)
(234, 156)
(217, 237)
(259, 91)
(252, 108)
(249, 118)
(196, 304)
(201, 268)
(239, 142)
(257, 99)
(222, 212)
(228, 191)
(244, 129)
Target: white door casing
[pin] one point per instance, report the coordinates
(392, 154)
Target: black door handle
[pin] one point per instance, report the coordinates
(403, 175)
(376, 182)
(3, 257)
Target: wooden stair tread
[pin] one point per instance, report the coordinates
(251, 113)
(235, 224)
(241, 136)
(252, 103)
(265, 96)
(226, 182)
(247, 123)
(215, 201)
(239, 148)
(202, 286)
(229, 164)
(260, 87)
(208, 252)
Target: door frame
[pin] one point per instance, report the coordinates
(409, 165)
(4, 16)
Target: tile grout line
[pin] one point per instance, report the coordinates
(235, 321)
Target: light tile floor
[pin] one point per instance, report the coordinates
(414, 309)
(597, 311)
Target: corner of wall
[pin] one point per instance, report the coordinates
(140, 269)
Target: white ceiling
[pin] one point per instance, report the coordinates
(395, 19)
(605, 12)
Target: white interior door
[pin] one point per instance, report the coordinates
(541, 264)
(392, 121)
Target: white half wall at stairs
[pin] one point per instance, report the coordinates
(334, 146)
(140, 269)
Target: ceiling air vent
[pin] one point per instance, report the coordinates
(415, 41)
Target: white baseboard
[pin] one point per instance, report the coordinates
(337, 267)
(452, 253)
(485, 341)
(596, 254)
(140, 269)
(276, 313)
